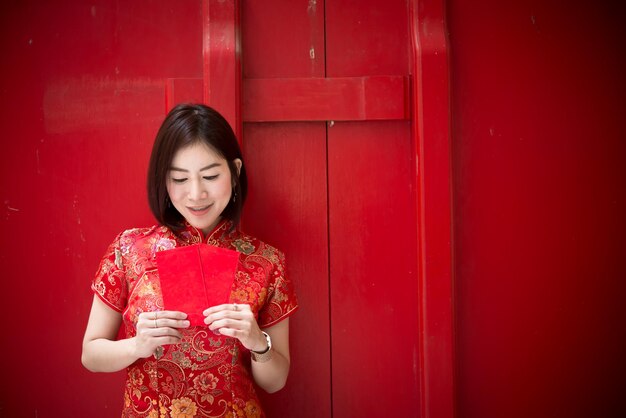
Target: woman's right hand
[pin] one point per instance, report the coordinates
(155, 329)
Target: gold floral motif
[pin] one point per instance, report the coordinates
(136, 377)
(100, 287)
(168, 386)
(113, 296)
(252, 409)
(183, 408)
(236, 411)
(181, 359)
(164, 244)
(146, 290)
(242, 246)
(204, 384)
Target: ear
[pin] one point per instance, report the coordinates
(238, 163)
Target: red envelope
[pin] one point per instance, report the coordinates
(196, 277)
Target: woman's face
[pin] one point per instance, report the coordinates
(199, 184)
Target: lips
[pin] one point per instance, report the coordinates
(199, 210)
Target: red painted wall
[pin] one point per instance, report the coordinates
(539, 157)
(83, 90)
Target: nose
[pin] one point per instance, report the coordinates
(197, 191)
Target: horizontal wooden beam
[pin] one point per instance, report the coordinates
(326, 99)
(310, 99)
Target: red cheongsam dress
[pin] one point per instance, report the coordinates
(205, 375)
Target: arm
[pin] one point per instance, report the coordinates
(272, 375)
(101, 351)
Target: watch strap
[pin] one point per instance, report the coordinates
(265, 355)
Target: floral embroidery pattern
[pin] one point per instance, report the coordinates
(205, 385)
(242, 246)
(164, 244)
(205, 374)
(183, 408)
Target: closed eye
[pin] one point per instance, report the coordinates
(211, 178)
(179, 181)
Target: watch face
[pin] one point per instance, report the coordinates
(269, 341)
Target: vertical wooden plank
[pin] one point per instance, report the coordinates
(222, 60)
(283, 39)
(431, 130)
(374, 291)
(366, 37)
(373, 235)
(183, 90)
(287, 207)
(288, 201)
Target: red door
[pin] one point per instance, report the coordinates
(328, 143)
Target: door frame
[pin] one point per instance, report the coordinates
(431, 123)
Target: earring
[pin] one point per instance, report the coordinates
(234, 195)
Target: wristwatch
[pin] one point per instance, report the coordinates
(265, 355)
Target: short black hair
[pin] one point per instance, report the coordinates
(187, 124)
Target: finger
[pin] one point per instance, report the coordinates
(170, 315)
(170, 339)
(235, 310)
(233, 307)
(221, 315)
(228, 323)
(231, 332)
(171, 323)
(144, 321)
(147, 316)
(216, 308)
(152, 315)
(159, 332)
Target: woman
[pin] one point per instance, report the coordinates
(196, 187)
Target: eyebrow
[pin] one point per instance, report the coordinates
(202, 169)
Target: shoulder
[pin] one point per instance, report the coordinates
(250, 246)
(142, 233)
(140, 237)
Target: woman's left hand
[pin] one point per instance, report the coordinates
(237, 321)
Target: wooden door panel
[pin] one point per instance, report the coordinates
(287, 206)
(370, 292)
(288, 201)
(373, 270)
(283, 38)
(366, 37)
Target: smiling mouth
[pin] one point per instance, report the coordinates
(201, 209)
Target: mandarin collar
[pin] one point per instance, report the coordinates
(192, 235)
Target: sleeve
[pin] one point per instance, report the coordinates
(110, 281)
(281, 301)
